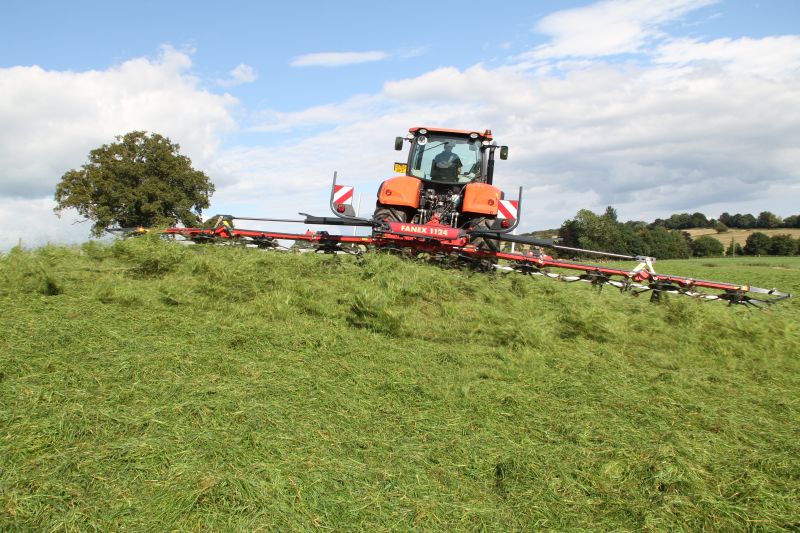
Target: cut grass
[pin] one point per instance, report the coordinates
(150, 386)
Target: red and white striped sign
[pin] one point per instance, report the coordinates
(507, 209)
(343, 194)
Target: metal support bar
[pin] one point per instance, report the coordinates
(329, 221)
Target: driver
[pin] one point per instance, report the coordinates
(446, 165)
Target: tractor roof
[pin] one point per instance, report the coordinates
(484, 135)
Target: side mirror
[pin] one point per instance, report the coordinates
(398, 143)
(504, 152)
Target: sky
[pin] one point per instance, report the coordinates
(653, 108)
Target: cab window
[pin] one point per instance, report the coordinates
(445, 158)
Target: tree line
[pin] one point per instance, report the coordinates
(605, 232)
(764, 220)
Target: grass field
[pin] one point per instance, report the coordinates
(149, 386)
(739, 236)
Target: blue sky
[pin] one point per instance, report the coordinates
(653, 107)
(267, 36)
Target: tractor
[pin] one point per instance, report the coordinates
(447, 180)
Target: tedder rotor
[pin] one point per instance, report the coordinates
(442, 203)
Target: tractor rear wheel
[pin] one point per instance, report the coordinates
(482, 243)
(390, 214)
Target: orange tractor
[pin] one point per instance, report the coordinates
(447, 180)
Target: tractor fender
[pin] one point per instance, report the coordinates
(400, 191)
(481, 198)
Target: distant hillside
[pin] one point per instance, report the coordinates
(739, 236)
(544, 233)
(149, 386)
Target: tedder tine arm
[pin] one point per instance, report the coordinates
(341, 221)
(519, 239)
(551, 243)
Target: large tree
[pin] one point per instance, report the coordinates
(782, 245)
(757, 243)
(594, 232)
(667, 244)
(604, 232)
(140, 180)
(707, 246)
(768, 220)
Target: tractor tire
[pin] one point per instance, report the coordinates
(390, 214)
(482, 243)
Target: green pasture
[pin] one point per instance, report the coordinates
(147, 386)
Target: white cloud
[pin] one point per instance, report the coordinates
(411, 53)
(474, 84)
(361, 150)
(337, 59)
(52, 119)
(608, 27)
(240, 75)
(354, 108)
(770, 57)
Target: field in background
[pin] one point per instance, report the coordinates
(148, 386)
(739, 236)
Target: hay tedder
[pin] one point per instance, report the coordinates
(443, 204)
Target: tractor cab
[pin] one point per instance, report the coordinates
(449, 156)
